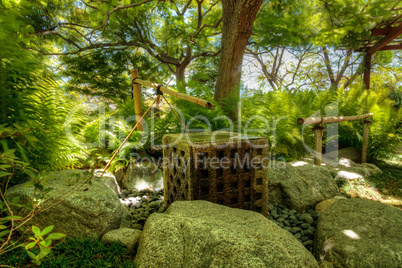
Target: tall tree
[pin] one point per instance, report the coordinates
(237, 25)
(174, 33)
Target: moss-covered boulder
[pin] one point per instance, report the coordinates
(81, 209)
(300, 185)
(204, 234)
(126, 236)
(360, 233)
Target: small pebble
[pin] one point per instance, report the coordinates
(154, 204)
(309, 219)
(304, 238)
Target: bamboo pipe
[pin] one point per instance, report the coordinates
(318, 131)
(365, 140)
(318, 120)
(137, 98)
(176, 94)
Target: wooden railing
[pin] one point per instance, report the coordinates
(319, 128)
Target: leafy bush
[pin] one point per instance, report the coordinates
(278, 111)
(77, 252)
(33, 106)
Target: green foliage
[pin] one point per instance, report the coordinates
(77, 252)
(34, 111)
(42, 242)
(275, 115)
(106, 72)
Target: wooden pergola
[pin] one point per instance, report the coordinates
(384, 36)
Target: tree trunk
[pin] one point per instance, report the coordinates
(237, 24)
(181, 77)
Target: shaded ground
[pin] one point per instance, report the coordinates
(385, 187)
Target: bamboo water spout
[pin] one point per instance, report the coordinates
(176, 94)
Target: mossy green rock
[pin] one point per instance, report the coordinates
(88, 210)
(204, 234)
(126, 236)
(360, 233)
(300, 187)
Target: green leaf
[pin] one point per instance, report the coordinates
(33, 256)
(30, 173)
(5, 232)
(15, 200)
(56, 236)
(47, 230)
(3, 174)
(12, 218)
(45, 243)
(5, 166)
(30, 245)
(44, 252)
(2, 227)
(36, 231)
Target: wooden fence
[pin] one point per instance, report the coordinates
(319, 129)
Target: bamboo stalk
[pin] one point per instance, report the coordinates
(137, 98)
(318, 120)
(318, 131)
(365, 140)
(128, 136)
(176, 94)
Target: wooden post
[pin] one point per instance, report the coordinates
(367, 70)
(366, 123)
(318, 130)
(137, 98)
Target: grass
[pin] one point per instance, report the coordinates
(77, 252)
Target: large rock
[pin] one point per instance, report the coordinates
(347, 169)
(300, 185)
(203, 234)
(126, 236)
(360, 233)
(89, 209)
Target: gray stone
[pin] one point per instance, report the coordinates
(203, 234)
(360, 233)
(86, 210)
(126, 236)
(300, 187)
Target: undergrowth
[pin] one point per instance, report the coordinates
(76, 252)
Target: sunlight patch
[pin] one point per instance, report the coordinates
(299, 164)
(351, 234)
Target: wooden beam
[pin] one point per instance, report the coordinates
(394, 33)
(318, 131)
(390, 47)
(381, 31)
(365, 140)
(334, 119)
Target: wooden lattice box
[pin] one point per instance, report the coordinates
(222, 167)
